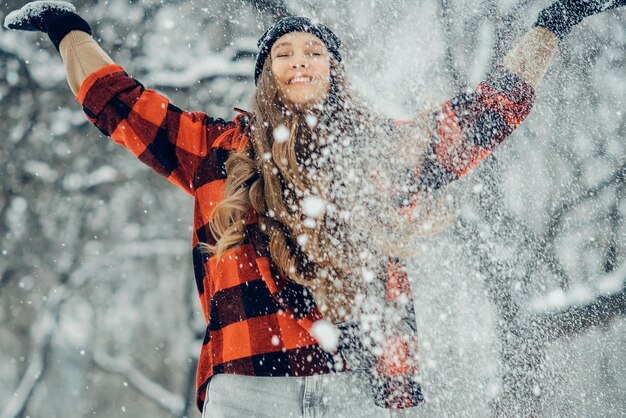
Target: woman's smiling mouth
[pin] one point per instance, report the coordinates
(300, 79)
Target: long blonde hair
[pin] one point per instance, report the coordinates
(331, 252)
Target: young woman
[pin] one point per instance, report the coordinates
(305, 206)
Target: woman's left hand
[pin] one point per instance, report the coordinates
(561, 16)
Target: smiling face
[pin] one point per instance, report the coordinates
(301, 66)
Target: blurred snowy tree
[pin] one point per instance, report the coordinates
(520, 302)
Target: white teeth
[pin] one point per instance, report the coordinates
(300, 80)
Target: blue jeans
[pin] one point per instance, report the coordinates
(331, 395)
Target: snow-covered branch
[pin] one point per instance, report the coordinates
(41, 69)
(275, 9)
(124, 367)
(204, 68)
(47, 323)
(562, 313)
(42, 333)
(156, 247)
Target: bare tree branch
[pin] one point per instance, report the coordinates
(619, 176)
(449, 61)
(611, 253)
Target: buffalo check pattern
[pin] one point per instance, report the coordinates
(258, 321)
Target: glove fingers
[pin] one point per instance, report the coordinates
(601, 6)
(594, 7)
(615, 4)
(22, 26)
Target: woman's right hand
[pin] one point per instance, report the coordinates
(56, 18)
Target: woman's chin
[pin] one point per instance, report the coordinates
(305, 101)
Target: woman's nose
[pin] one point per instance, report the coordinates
(300, 64)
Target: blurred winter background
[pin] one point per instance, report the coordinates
(521, 302)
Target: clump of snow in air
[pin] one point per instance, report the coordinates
(35, 8)
(302, 239)
(326, 334)
(556, 298)
(368, 275)
(311, 120)
(281, 134)
(313, 206)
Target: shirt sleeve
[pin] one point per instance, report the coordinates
(171, 141)
(467, 128)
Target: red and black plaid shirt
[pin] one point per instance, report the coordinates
(259, 322)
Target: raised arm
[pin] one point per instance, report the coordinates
(171, 141)
(468, 127)
(82, 56)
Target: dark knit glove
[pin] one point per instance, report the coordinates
(561, 16)
(56, 18)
